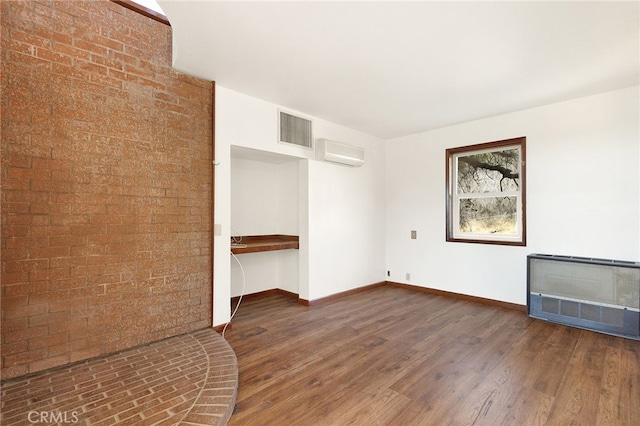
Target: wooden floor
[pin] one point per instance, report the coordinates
(391, 356)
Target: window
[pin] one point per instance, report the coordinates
(148, 8)
(486, 193)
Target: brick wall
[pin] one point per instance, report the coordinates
(106, 185)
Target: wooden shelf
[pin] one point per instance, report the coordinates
(258, 243)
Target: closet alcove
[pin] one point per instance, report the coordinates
(265, 221)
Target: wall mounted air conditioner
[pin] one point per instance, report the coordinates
(340, 153)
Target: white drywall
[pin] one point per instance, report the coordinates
(340, 215)
(583, 195)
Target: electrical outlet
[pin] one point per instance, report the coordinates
(388, 273)
(408, 276)
(414, 235)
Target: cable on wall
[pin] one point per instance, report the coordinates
(244, 282)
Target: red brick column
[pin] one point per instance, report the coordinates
(106, 185)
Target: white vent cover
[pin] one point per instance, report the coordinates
(295, 130)
(338, 152)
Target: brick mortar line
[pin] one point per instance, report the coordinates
(129, 358)
(228, 358)
(195, 400)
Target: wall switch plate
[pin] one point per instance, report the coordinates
(217, 229)
(408, 276)
(414, 235)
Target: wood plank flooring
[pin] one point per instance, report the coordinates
(391, 356)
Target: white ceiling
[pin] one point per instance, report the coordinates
(391, 68)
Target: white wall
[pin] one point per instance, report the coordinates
(265, 271)
(255, 194)
(340, 213)
(264, 196)
(583, 195)
(346, 226)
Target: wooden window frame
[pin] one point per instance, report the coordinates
(132, 5)
(451, 186)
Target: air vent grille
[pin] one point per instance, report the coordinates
(295, 130)
(594, 294)
(580, 310)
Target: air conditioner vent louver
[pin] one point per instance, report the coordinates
(295, 130)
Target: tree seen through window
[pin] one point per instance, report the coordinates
(485, 194)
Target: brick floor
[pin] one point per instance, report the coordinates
(190, 379)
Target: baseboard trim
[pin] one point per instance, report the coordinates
(220, 328)
(341, 294)
(304, 302)
(466, 297)
(265, 293)
(288, 294)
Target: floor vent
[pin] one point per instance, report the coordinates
(595, 294)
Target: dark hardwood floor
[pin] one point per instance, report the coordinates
(391, 356)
